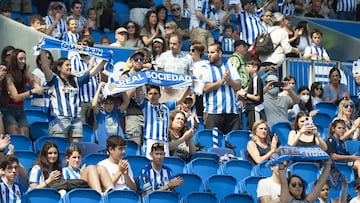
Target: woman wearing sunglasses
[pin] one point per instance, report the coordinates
(346, 113)
(293, 189)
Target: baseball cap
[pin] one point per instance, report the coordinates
(56, 5)
(137, 53)
(120, 30)
(272, 78)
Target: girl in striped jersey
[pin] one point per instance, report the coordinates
(71, 35)
(90, 174)
(65, 101)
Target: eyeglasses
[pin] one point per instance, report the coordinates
(348, 106)
(318, 88)
(168, 27)
(192, 50)
(175, 9)
(130, 26)
(138, 59)
(325, 189)
(295, 184)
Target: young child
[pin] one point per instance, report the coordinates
(10, 191)
(118, 168)
(156, 116)
(190, 113)
(227, 41)
(254, 95)
(108, 117)
(37, 23)
(156, 176)
(315, 51)
(219, 15)
(92, 18)
(71, 35)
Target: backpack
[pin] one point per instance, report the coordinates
(264, 44)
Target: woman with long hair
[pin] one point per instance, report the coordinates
(261, 147)
(133, 40)
(305, 103)
(304, 39)
(317, 92)
(352, 126)
(65, 100)
(47, 168)
(150, 29)
(181, 142)
(14, 92)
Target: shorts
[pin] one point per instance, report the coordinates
(67, 127)
(134, 126)
(14, 115)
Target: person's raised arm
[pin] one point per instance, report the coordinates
(44, 65)
(314, 194)
(97, 68)
(95, 101)
(125, 102)
(284, 192)
(182, 98)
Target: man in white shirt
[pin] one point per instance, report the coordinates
(268, 190)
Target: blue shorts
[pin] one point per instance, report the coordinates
(14, 115)
(67, 127)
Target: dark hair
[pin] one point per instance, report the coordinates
(254, 61)
(306, 32)
(43, 162)
(163, 45)
(114, 141)
(8, 160)
(59, 63)
(289, 77)
(35, 18)
(333, 124)
(228, 26)
(332, 70)
(158, 9)
(298, 116)
(90, 9)
(18, 75)
(316, 31)
(308, 106)
(314, 85)
(147, 25)
(70, 150)
(303, 194)
(137, 28)
(218, 46)
(3, 53)
(172, 117)
(88, 39)
(198, 46)
(149, 87)
(75, 2)
(38, 59)
(104, 37)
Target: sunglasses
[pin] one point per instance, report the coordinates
(130, 26)
(175, 9)
(138, 59)
(158, 145)
(348, 106)
(168, 27)
(295, 184)
(318, 88)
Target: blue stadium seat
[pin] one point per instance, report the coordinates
(204, 154)
(26, 158)
(281, 129)
(192, 183)
(122, 12)
(39, 129)
(221, 151)
(97, 35)
(308, 171)
(351, 189)
(262, 170)
(232, 168)
(176, 164)
(352, 146)
(322, 119)
(206, 139)
(36, 195)
(326, 107)
(86, 147)
(125, 196)
(186, 45)
(222, 185)
(94, 159)
(33, 116)
(132, 148)
(249, 186)
(88, 133)
(162, 196)
(203, 167)
(197, 197)
(346, 170)
(61, 143)
(20, 142)
(237, 198)
(82, 195)
(238, 139)
(137, 163)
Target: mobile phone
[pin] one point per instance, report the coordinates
(308, 121)
(278, 84)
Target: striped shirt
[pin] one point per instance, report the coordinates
(204, 7)
(59, 29)
(251, 26)
(70, 37)
(87, 90)
(152, 179)
(346, 5)
(156, 119)
(321, 52)
(36, 176)
(10, 193)
(69, 173)
(287, 8)
(65, 100)
(227, 44)
(223, 99)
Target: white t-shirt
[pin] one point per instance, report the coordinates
(355, 200)
(267, 187)
(112, 168)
